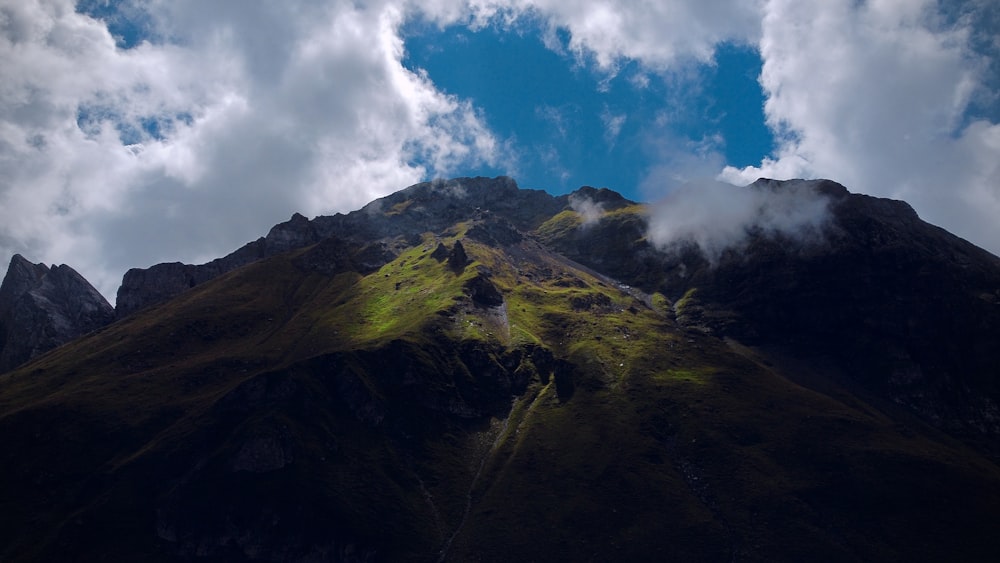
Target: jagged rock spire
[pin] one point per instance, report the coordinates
(42, 307)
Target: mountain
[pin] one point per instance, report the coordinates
(468, 371)
(42, 307)
(883, 301)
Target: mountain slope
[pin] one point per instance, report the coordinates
(477, 396)
(892, 306)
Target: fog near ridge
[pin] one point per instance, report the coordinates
(717, 216)
(590, 211)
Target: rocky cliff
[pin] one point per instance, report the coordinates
(42, 307)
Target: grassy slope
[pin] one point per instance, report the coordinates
(641, 440)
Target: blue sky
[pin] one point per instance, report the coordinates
(572, 124)
(141, 131)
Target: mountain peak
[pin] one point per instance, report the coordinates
(822, 185)
(42, 307)
(21, 276)
(608, 199)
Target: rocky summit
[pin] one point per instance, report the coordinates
(469, 371)
(42, 307)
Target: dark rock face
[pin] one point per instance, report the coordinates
(42, 307)
(609, 200)
(440, 252)
(457, 259)
(879, 296)
(483, 293)
(495, 231)
(142, 287)
(414, 382)
(434, 206)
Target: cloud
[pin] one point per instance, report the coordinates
(229, 118)
(716, 216)
(590, 211)
(613, 123)
(556, 116)
(658, 34)
(877, 95)
(679, 162)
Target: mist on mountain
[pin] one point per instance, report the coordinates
(716, 216)
(589, 210)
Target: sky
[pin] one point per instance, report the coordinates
(136, 132)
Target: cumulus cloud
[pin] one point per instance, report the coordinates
(229, 118)
(716, 216)
(876, 95)
(658, 34)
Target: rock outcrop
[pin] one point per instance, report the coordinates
(42, 307)
(142, 287)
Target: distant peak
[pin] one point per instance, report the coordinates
(46, 307)
(596, 199)
(467, 186)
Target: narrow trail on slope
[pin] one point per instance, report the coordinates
(472, 486)
(429, 499)
(699, 486)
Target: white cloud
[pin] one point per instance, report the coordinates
(681, 163)
(260, 109)
(590, 211)
(875, 95)
(556, 117)
(657, 33)
(613, 123)
(716, 216)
